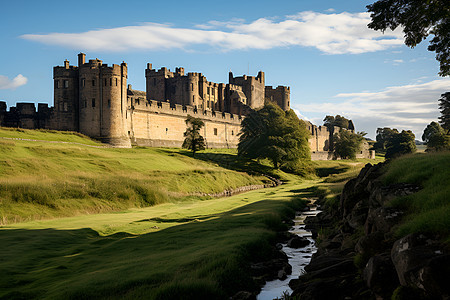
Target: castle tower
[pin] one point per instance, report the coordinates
(253, 88)
(103, 101)
(281, 96)
(156, 82)
(65, 93)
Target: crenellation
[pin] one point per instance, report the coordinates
(95, 99)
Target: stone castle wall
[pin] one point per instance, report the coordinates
(94, 99)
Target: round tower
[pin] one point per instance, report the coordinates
(103, 94)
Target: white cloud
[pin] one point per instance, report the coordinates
(330, 33)
(409, 107)
(7, 84)
(330, 10)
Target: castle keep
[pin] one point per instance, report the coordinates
(94, 99)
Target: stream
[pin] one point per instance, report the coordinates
(298, 259)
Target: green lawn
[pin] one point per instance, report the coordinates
(191, 250)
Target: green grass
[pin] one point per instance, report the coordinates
(47, 135)
(83, 222)
(428, 210)
(44, 180)
(191, 250)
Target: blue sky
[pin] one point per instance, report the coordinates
(321, 49)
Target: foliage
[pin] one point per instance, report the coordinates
(276, 135)
(435, 137)
(338, 121)
(400, 144)
(383, 136)
(418, 19)
(347, 143)
(444, 106)
(193, 140)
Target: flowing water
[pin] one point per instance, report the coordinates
(298, 259)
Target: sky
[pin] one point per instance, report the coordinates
(323, 50)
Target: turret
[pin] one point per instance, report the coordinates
(66, 96)
(103, 96)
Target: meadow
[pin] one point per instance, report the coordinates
(84, 221)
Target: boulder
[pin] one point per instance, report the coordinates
(382, 219)
(380, 275)
(298, 242)
(421, 264)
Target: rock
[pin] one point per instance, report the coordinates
(382, 219)
(380, 275)
(385, 194)
(243, 295)
(279, 246)
(282, 275)
(371, 244)
(420, 264)
(298, 242)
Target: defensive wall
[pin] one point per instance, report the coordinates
(95, 99)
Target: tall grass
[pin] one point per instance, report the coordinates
(428, 210)
(41, 180)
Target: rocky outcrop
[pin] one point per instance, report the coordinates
(360, 257)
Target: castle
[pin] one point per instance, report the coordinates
(95, 99)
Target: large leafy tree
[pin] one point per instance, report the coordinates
(193, 140)
(337, 121)
(347, 143)
(444, 106)
(418, 19)
(383, 136)
(274, 134)
(400, 143)
(435, 137)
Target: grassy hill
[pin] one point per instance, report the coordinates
(53, 174)
(84, 221)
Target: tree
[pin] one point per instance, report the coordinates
(193, 140)
(400, 143)
(435, 137)
(418, 18)
(444, 106)
(383, 136)
(347, 143)
(274, 134)
(338, 121)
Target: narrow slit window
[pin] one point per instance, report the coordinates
(93, 82)
(93, 102)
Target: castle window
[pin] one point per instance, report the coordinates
(83, 82)
(192, 86)
(215, 131)
(105, 81)
(66, 84)
(110, 82)
(137, 101)
(167, 129)
(232, 132)
(193, 99)
(207, 103)
(207, 89)
(93, 102)
(93, 82)
(116, 81)
(56, 84)
(109, 102)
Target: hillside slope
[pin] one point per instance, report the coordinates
(389, 236)
(52, 174)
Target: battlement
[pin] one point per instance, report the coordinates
(161, 72)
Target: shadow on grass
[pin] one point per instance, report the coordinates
(231, 162)
(325, 172)
(210, 258)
